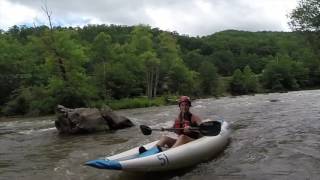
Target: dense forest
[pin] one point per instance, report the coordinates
(98, 64)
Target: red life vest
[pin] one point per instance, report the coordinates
(178, 123)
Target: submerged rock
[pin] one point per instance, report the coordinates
(88, 120)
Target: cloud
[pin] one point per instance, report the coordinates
(192, 17)
(7, 11)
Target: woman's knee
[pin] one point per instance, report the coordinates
(185, 138)
(165, 140)
(163, 137)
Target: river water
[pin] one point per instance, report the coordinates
(274, 136)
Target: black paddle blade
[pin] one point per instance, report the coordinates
(146, 130)
(210, 128)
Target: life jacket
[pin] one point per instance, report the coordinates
(182, 122)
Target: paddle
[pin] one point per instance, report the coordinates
(209, 128)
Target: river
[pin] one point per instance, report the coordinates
(274, 136)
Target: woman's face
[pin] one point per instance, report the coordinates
(184, 107)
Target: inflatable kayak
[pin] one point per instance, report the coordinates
(182, 156)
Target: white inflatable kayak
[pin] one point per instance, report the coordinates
(182, 156)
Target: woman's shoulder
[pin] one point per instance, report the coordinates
(195, 118)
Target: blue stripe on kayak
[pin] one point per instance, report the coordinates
(150, 152)
(103, 164)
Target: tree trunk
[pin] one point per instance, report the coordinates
(156, 82)
(148, 84)
(59, 59)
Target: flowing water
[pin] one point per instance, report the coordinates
(274, 136)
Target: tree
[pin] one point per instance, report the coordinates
(306, 17)
(236, 84)
(121, 81)
(11, 67)
(173, 72)
(152, 64)
(141, 46)
(243, 82)
(193, 59)
(101, 50)
(250, 80)
(141, 39)
(74, 88)
(181, 79)
(209, 78)
(101, 54)
(223, 60)
(279, 75)
(50, 43)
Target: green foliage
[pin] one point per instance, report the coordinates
(181, 79)
(250, 80)
(19, 103)
(282, 74)
(136, 103)
(101, 50)
(243, 82)
(174, 74)
(193, 59)
(96, 64)
(236, 85)
(31, 101)
(224, 61)
(121, 81)
(306, 16)
(141, 39)
(208, 78)
(11, 66)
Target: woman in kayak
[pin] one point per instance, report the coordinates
(184, 120)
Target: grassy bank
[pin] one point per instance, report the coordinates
(140, 102)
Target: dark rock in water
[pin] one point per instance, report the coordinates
(88, 120)
(274, 100)
(114, 121)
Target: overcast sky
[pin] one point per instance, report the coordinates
(191, 17)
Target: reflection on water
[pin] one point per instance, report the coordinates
(275, 136)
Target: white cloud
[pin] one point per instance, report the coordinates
(193, 17)
(14, 13)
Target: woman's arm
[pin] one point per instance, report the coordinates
(196, 119)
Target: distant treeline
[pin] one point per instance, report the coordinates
(91, 66)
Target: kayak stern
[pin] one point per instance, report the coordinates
(104, 164)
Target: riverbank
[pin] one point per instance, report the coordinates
(142, 102)
(126, 103)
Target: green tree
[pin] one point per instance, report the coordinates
(209, 78)
(12, 66)
(223, 60)
(101, 54)
(193, 59)
(306, 16)
(250, 80)
(101, 50)
(173, 72)
(121, 82)
(152, 65)
(279, 75)
(237, 83)
(243, 82)
(181, 79)
(147, 63)
(141, 39)
(72, 89)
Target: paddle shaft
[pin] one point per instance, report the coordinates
(211, 128)
(173, 129)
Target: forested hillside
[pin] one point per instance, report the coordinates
(94, 65)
